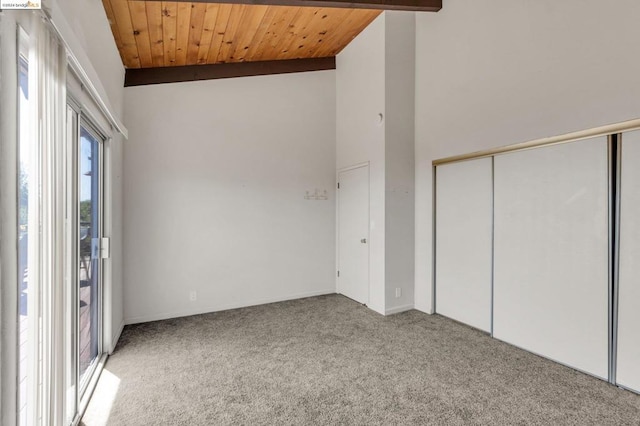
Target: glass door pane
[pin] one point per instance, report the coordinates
(89, 234)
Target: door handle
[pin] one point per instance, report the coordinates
(363, 241)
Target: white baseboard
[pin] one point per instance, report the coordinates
(398, 309)
(116, 337)
(225, 307)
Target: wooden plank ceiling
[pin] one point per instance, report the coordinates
(161, 34)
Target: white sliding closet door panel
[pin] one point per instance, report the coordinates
(628, 362)
(463, 241)
(551, 253)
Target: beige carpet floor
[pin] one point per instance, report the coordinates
(330, 361)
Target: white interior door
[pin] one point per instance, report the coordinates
(628, 360)
(551, 253)
(353, 234)
(464, 215)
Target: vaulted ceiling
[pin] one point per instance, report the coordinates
(164, 34)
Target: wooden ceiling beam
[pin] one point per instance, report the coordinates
(412, 5)
(160, 75)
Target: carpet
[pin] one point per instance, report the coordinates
(330, 361)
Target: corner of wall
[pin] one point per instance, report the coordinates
(399, 160)
(116, 336)
(360, 136)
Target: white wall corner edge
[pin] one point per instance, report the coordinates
(377, 309)
(427, 311)
(425, 307)
(116, 337)
(219, 308)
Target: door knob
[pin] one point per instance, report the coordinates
(363, 241)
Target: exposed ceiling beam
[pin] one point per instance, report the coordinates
(413, 5)
(144, 76)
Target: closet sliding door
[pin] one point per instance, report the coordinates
(628, 351)
(463, 241)
(551, 281)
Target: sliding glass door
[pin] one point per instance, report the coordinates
(84, 296)
(89, 259)
(54, 135)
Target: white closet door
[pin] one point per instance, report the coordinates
(628, 361)
(463, 241)
(551, 253)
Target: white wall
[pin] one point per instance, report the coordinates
(496, 72)
(216, 173)
(375, 115)
(399, 159)
(360, 98)
(87, 32)
(114, 229)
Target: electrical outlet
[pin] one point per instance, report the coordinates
(192, 296)
(398, 292)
